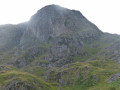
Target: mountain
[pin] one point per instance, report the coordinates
(57, 47)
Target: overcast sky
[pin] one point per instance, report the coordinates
(104, 13)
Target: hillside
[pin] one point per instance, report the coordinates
(58, 48)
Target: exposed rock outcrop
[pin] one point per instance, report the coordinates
(18, 85)
(50, 44)
(65, 31)
(114, 78)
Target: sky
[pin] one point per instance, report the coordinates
(103, 13)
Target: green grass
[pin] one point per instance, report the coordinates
(88, 53)
(6, 77)
(36, 70)
(83, 74)
(87, 75)
(107, 86)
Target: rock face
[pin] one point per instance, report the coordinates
(10, 35)
(29, 56)
(68, 34)
(55, 37)
(65, 31)
(53, 21)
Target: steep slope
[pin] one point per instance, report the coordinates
(13, 79)
(60, 46)
(52, 21)
(65, 31)
(10, 35)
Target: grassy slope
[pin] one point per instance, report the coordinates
(78, 75)
(90, 75)
(8, 76)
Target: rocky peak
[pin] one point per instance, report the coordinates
(48, 12)
(52, 8)
(54, 21)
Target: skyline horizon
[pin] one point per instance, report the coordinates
(105, 21)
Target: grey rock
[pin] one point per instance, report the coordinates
(29, 56)
(114, 78)
(66, 31)
(18, 85)
(3, 68)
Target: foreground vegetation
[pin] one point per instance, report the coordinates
(88, 75)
